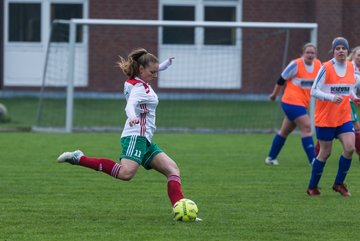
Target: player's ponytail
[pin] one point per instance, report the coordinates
(138, 57)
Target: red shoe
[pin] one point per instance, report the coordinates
(313, 192)
(342, 189)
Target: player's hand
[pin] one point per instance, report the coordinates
(272, 97)
(134, 121)
(337, 99)
(171, 59)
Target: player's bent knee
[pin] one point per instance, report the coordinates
(306, 131)
(324, 156)
(349, 151)
(125, 177)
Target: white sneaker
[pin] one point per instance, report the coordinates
(198, 220)
(270, 161)
(71, 157)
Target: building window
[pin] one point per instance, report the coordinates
(220, 36)
(66, 12)
(179, 35)
(24, 22)
(208, 11)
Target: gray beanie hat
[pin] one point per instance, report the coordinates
(340, 41)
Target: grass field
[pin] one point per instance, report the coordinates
(220, 114)
(239, 197)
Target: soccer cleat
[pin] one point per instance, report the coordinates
(198, 220)
(313, 192)
(71, 157)
(270, 161)
(342, 189)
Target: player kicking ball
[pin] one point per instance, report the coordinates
(138, 149)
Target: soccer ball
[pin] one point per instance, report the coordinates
(185, 210)
(3, 114)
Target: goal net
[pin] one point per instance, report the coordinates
(219, 81)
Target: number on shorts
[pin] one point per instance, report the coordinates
(137, 153)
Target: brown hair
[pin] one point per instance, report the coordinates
(308, 45)
(138, 57)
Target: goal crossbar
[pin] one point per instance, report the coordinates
(166, 23)
(162, 23)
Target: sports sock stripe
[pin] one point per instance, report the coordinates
(115, 170)
(174, 178)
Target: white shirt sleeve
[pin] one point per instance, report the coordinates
(130, 107)
(290, 70)
(353, 93)
(318, 85)
(357, 78)
(164, 65)
(136, 96)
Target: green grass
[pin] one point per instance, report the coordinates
(239, 197)
(22, 112)
(191, 114)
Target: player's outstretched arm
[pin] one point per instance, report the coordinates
(164, 65)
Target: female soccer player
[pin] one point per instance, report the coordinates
(138, 149)
(299, 76)
(354, 57)
(333, 88)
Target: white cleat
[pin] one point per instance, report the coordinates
(71, 157)
(198, 220)
(270, 161)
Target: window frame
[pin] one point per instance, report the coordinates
(45, 26)
(79, 38)
(200, 16)
(230, 33)
(231, 54)
(38, 37)
(30, 56)
(162, 40)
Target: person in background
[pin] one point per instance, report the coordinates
(138, 149)
(333, 88)
(298, 76)
(354, 57)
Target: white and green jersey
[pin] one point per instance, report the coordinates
(141, 103)
(357, 70)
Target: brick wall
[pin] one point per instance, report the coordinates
(329, 17)
(336, 18)
(107, 43)
(262, 66)
(351, 18)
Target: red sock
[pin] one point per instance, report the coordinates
(357, 142)
(101, 164)
(317, 148)
(174, 189)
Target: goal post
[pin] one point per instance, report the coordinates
(70, 86)
(87, 24)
